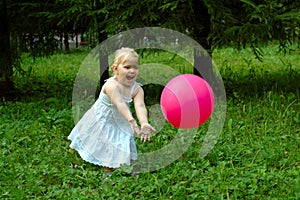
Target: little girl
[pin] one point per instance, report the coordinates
(104, 135)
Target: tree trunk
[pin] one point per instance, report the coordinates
(203, 63)
(202, 25)
(103, 59)
(6, 68)
(61, 39)
(66, 42)
(76, 40)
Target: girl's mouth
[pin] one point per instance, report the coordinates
(129, 77)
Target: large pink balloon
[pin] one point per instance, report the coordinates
(187, 101)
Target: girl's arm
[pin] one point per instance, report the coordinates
(142, 115)
(140, 107)
(115, 96)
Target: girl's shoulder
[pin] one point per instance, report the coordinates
(110, 83)
(137, 87)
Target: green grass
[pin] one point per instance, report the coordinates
(256, 157)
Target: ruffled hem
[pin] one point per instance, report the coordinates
(79, 147)
(103, 137)
(102, 143)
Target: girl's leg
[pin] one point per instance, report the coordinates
(107, 169)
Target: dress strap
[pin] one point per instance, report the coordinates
(109, 78)
(133, 86)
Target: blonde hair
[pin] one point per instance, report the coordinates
(122, 55)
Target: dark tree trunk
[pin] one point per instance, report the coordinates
(6, 68)
(203, 65)
(202, 25)
(76, 40)
(61, 39)
(103, 60)
(66, 42)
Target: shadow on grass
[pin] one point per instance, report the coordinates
(38, 89)
(254, 86)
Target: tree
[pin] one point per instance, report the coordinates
(36, 33)
(189, 17)
(212, 23)
(82, 17)
(6, 62)
(259, 23)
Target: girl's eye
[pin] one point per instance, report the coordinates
(129, 67)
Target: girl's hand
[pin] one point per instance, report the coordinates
(134, 126)
(145, 132)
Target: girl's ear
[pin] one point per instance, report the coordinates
(115, 69)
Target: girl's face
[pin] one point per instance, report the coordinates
(127, 72)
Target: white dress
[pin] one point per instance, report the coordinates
(104, 137)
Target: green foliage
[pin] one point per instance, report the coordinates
(32, 31)
(259, 23)
(36, 25)
(256, 156)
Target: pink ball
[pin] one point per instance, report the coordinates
(187, 101)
